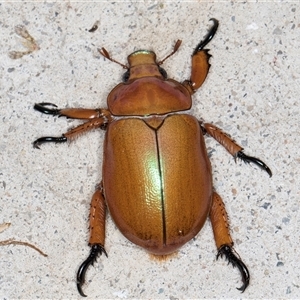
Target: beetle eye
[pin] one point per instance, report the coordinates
(125, 76)
(163, 72)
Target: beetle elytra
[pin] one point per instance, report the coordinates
(157, 179)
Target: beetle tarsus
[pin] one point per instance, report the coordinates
(47, 139)
(41, 107)
(208, 37)
(256, 161)
(96, 250)
(227, 251)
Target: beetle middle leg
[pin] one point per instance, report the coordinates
(219, 220)
(97, 235)
(232, 147)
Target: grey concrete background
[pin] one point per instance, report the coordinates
(252, 92)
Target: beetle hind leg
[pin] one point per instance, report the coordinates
(97, 235)
(219, 221)
(96, 250)
(234, 259)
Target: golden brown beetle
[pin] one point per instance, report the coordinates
(157, 181)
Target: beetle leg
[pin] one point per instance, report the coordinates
(94, 123)
(72, 113)
(97, 235)
(250, 159)
(47, 139)
(219, 221)
(232, 147)
(41, 107)
(200, 61)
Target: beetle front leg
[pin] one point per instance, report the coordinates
(97, 235)
(219, 221)
(99, 122)
(200, 61)
(72, 113)
(232, 147)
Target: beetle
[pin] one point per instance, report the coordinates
(157, 178)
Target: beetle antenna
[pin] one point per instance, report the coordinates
(104, 52)
(177, 45)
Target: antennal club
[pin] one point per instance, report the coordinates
(104, 52)
(177, 45)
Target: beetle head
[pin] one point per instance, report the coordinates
(142, 63)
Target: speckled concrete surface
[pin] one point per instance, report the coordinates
(252, 92)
